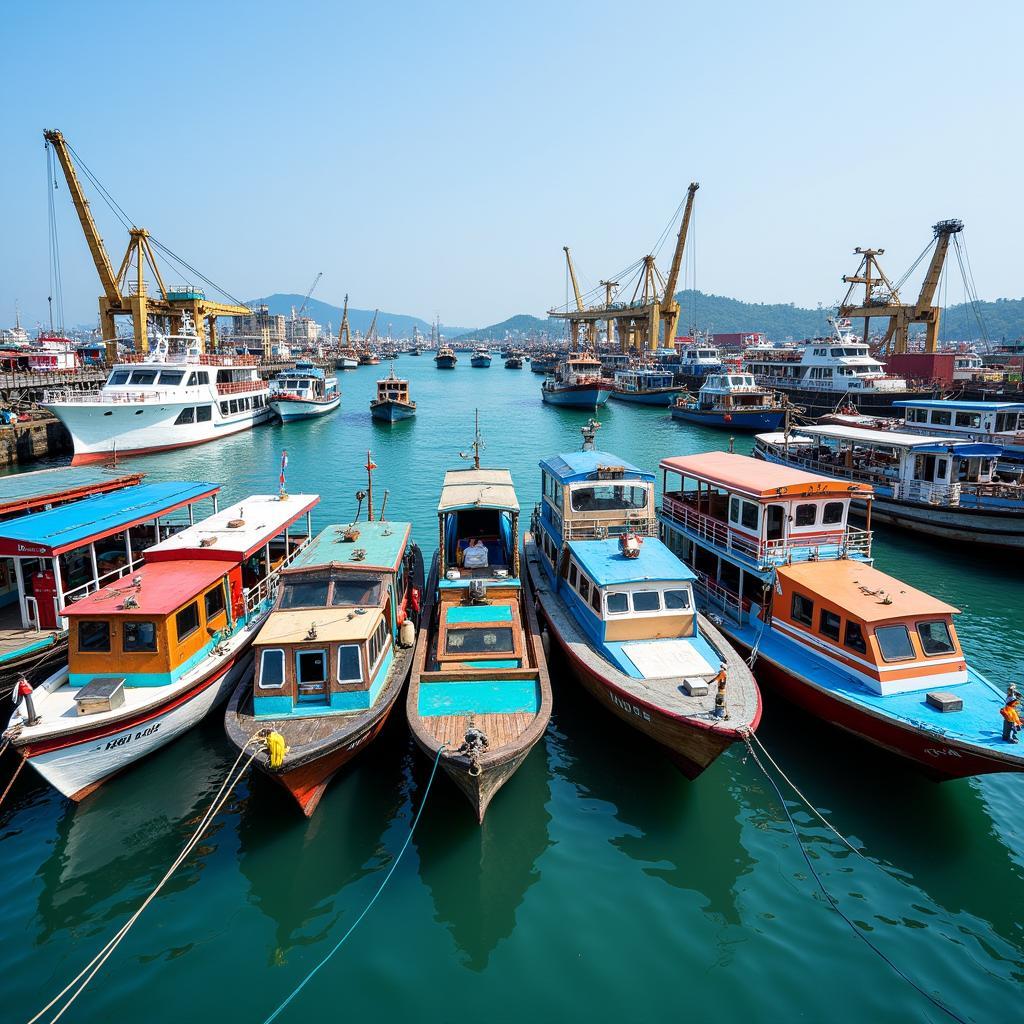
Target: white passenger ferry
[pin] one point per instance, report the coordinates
(170, 397)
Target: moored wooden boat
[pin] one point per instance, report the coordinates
(392, 402)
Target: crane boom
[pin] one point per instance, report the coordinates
(371, 334)
(942, 231)
(312, 288)
(344, 340)
(677, 256)
(572, 277)
(104, 267)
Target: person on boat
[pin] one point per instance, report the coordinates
(475, 556)
(1011, 718)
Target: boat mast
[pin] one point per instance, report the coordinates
(477, 444)
(370, 467)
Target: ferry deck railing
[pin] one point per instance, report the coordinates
(236, 387)
(589, 528)
(735, 607)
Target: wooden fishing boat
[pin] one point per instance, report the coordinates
(333, 657)
(479, 690)
(445, 358)
(481, 357)
(577, 383)
(392, 402)
(621, 606)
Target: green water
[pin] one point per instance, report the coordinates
(602, 885)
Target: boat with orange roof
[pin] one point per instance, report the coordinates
(793, 584)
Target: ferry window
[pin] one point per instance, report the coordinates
(144, 377)
(93, 636)
(750, 511)
(305, 594)
(894, 643)
(187, 620)
(233, 405)
(595, 600)
(378, 641)
(968, 419)
(803, 609)
(355, 591)
(734, 509)
(193, 380)
(646, 601)
(214, 601)
(271, 669)
(584, 587)
(171, 378)
(204, 376)
(855, 637)
(139, 637)
(119, 377)
(349, 669)
(608, 498)
(806, 515)
(917, 415)
(943, 417)
(618, 602)
(223, 408)
(204, 413)
(187, 415)
(677, 600)
(828, 624)
(489, 640)
(935, 638)
(573, 575)
(833, 513)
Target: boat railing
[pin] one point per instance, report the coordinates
(736, 607)
(85, 589)
(926, 492)
(591, 528)
(62, 395)
(235, 387)
(266, 590)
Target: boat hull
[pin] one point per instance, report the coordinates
(345, 363)
(576, 397)
(873, 403)
(302, 409)
(480, 362)
(659, 398)
(445, 362)
(754, 421)
(391, 412)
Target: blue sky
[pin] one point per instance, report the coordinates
(436, 158)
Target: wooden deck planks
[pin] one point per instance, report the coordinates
(499, 729)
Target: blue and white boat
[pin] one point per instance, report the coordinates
(392, 402)
(481, 357)
(577, 383)
(734, 401)
(645, 386)
(621, 606)
(303, 392)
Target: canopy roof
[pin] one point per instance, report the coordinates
(605, 564)
(155, 589)
(862, 590)
(478, 488)
(899, 439)
(70, 526)
(258, 519)
(955, 403)
(583, 465)
(332, 625)
(383, 544)
(21, 493)
(759, 479)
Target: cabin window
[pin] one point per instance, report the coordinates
(743, 513)
(171, 378)
(917, 415)
(584, 587)
(214, 600)
(828, 624)
(223, 408)
(93, 636)
(305, 594)
(378, 641)
(204, 413)
(618, 602)
(573, 575)
(233, 405)
(833, 513)
(677, 600)
(595, 600)
(943, 417)
(349, 669)
(489, 640)
(894, 643)
(144, 377)
(968, 419)
(353, 591)
(855, 637)
(187, 415)
(139, 637)
(803, 609)
(646, 601)
(271, 670)
(187, 620)
(608, 498)
(935, 638)
(806, 515)
(119, 377)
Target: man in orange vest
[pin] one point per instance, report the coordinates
(1011, 717)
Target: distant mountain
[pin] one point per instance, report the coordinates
(518, 327)
(359, 319)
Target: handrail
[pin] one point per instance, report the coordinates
(70, 596)
(738, 608)
(235, 387)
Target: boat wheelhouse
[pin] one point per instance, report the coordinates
(543, 362)
(577, 383)
(347, 358)
(731, 400)
(52, 557)
(172, 396)
(392, 402)
(793, 584)
(645, 386)
(939, 486)
(303, 392)
(150, 656)
(52, 353)
(621, 606)
(696, 361)
(333, 657)
(479, 695)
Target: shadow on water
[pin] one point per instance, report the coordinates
(478, 875)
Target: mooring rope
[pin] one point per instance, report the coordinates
(355, 924)
(92, 967)
(854, 927)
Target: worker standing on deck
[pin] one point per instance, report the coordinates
(1011, 716)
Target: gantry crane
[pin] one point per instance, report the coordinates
(344, 335)
(882, 297)
(125, 294)
(652, 314)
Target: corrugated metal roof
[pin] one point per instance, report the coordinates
(478, 488)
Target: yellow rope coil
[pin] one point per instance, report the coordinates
(276, 748)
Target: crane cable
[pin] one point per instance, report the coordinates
(969, 287)
(56, 278)
(92, 967)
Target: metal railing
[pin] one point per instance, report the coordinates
(71, 596)
(582, 529)
(266, 589)
(736, 607)
(236, 387)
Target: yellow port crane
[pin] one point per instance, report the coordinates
(882, 297)
(344, 334)
(652, 312)
(591, 327)
(125, 294)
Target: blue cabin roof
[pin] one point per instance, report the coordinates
(384, 543)
(583, 465)
(604, 563)
(967, 449)
(954, 403)
(302, 370)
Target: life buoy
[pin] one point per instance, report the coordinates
(727, 417)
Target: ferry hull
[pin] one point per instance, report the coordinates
(480, 362)
(659, 398)
(995, 528)
(577, 397)
(822, 403)
(391, 412)
(300, 409)
(345, 363)
(446, 363)
(754, 421)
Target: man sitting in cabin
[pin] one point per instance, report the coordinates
(475, 555)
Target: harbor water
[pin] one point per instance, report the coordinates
(602, 886)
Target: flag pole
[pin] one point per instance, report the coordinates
(370, 467)
(282, 490)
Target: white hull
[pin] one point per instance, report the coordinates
(298, 409)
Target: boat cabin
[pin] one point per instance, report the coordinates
(578, 367)
(996, 422)
(305, 382)
(732, 391)
(393, 389)
(644, 380)
(329, 643)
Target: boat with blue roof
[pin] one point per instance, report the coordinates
(303, 392)
(620, 604)
(334, 655)
(793, 584)
(733, 401)
(479, 695)
(152, 653)
(645, 385)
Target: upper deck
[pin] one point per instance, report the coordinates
(377, 546)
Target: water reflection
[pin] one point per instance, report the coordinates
(478, 875)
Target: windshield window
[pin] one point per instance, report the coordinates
(677, 600)
(618, 602)
(490, 640)
(894, 643)
(144, 376)
(935, 638)
(608, 498)
(305, 594)
(356, 592)
(171, 378)
(646, 601)
(119, 377)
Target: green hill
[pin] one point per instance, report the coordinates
(518, 328)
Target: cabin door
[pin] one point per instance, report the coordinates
(311, 685)
(774, 522)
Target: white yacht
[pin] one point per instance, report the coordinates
(170, 397)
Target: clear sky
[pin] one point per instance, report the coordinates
(435, 158)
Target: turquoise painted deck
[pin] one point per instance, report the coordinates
(493, 697)
(384, 543)
(479, 613)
